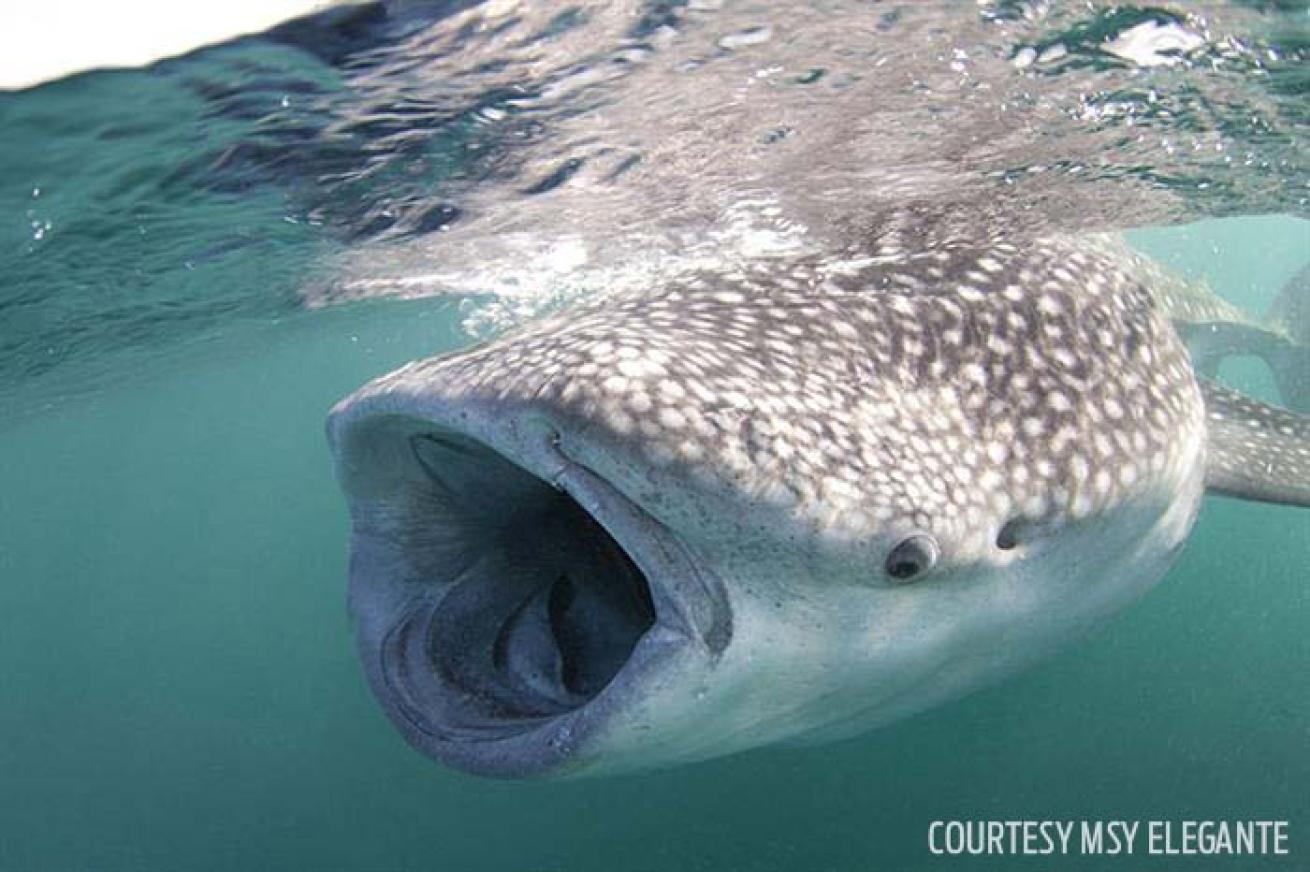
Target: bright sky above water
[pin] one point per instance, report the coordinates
(40, 42)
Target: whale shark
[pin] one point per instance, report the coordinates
(786, 501)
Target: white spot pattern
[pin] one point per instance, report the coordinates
(1025, 387)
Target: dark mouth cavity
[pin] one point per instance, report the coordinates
(529, 606)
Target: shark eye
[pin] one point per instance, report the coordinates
(912, 557)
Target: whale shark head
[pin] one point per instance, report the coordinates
(752, 509)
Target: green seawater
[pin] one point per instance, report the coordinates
(179, 690)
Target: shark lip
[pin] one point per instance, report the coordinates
(511, 604)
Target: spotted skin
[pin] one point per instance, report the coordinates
(856, 486)
(1214, 329)
(952, 391)
(1256, 451)
(1184, 301)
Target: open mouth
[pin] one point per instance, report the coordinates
(504, 615)
(541, 607)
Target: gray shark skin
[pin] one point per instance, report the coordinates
(783, 504)
(1290, 361)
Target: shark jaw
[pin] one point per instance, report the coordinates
(510, 604)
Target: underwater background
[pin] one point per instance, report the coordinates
(178, 683)
(180, 688)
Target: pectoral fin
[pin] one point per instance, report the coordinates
(1214, 329)
(1255, 451)
(1210, 342)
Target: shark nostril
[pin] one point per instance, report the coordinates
(1010, 534)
